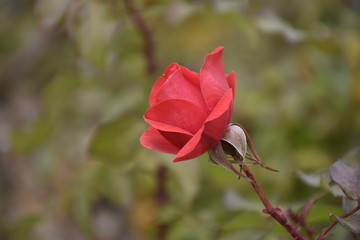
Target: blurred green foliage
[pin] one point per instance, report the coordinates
(74, 85)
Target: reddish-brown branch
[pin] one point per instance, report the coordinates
(328, 228)
(275, 213)
(145, 31)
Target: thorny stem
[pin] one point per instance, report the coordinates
(275, 213)
(328, 228)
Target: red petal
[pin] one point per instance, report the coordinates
(232, 83)
(212, 77)
(153, 139)
(230, 78)
(219, 118)
(198, 144)
(178, 139)
(178, 86)
(160, 81)
(192, 76)
(176, 116)
(211, 133)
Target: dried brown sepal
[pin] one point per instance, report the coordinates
(236, 138)
(218, 157)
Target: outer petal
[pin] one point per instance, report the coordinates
(219, 118)
(232, 83)
(210, 134)
(176, 116)
(160, 81)
(197, 145)
(178, 139)
(212, 78)
(178, 86)
(153, 139)
(192, 76)
(230, 78)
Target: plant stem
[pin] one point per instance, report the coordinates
(275, 213)
(328, 228)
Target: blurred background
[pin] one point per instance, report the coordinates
(74, 82)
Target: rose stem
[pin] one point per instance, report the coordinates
(269, 209)
(328, 228)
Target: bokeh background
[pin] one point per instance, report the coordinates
(74, 82)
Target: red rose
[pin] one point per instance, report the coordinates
(189, 112)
